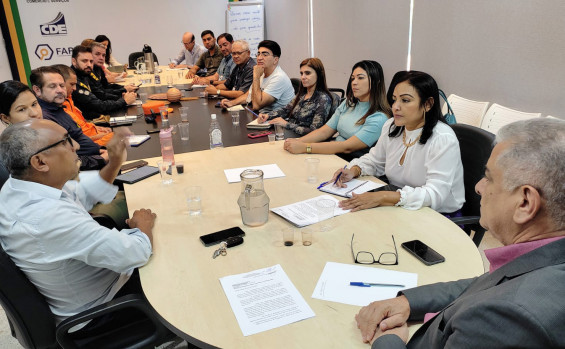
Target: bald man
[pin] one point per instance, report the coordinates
(45, 228)
(190, 53)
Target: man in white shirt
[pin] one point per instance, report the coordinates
(45, 227)
(271, 88)
(190, 54)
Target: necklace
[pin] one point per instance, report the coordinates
(408, 145)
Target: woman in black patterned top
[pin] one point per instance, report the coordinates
(311, 107)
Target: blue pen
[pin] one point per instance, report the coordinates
(252, 112)
(368, 284)
(337, 178)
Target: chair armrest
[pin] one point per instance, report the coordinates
(465, 220)
(128, 301)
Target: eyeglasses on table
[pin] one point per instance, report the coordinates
(385, 258)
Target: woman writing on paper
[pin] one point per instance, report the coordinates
(358, 119)
(311, 106)
(417, 151)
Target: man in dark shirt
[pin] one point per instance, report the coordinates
(91, 105)
(49, 87)
(239, 82)
(98, 81)
(210, 59)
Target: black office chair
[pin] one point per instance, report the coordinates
(475, 145)
(295, 84)
(33, 324)
(135, 55)
(4, 175)
(338, 90)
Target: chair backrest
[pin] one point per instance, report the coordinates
(336, 101)
(32, 321)
(338, 90)
(475, 145)
(466, 111)
(498, 116)
(295, 84)
(4, 175)
(135, 55)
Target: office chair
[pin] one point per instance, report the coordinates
(498, 116)
(33, 324)
(135, 55)
(475, 145)
(295, 84)
(338, 90)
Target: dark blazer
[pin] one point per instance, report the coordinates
(519, 305)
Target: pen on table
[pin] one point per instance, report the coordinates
(369, 284)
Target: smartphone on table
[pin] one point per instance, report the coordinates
(222, 235)
(423, 252)
(259, 134)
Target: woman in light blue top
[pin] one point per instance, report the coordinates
(358, 120)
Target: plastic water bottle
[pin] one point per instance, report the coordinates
(157, 76)
(215, 133)
(166, 140)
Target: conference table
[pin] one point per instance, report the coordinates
(181, 280)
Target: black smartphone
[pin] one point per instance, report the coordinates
(423, 252)
(222, 235)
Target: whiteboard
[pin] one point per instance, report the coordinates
(246, 21)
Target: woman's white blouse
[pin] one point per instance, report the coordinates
(432, 173)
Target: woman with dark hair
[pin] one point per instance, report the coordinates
(358, 119)
(109, 61)
(417, 151)
(17, 103)
(311, 106)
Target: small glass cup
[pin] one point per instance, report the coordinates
(180, 167)
(169, 80)
(271, 138)
(166, 172)
(184, 130)
(288, 236)
(325, 209)
(204, 97)
(183, 111)
(194, 200)
(312, 169)
(164, 111)
(235, 118)
(306, 236)
(279, 132)
(142, 97)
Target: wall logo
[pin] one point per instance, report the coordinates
(44, 52)
(55, 27)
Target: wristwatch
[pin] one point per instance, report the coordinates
(309, 148)
(218, 92)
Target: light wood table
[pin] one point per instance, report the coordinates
(181, 280)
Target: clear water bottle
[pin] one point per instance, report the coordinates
(157, 76)
(166, 140)
(215, 133)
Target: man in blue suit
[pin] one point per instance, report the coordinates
(519, 302)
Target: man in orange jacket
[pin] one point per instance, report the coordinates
(100, 135)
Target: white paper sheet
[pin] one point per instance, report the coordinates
(264, 299)
(304, 213)
(353, 186)
(269, 171)
(236, 108)
(333, 284)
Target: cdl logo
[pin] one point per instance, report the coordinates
(55, 27)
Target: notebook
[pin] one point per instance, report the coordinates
(356, 186)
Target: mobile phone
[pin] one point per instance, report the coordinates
(423, 252)
(153, 131)
(222, 235)
(138, 174)
(259, 134)
(132, 165)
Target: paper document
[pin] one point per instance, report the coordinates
(353, 186)
(256, 125)
(333, 284)
(199, 86)
(236, 108)
(269, 171)
(264, 299)
(135, 140)
(304, 213)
